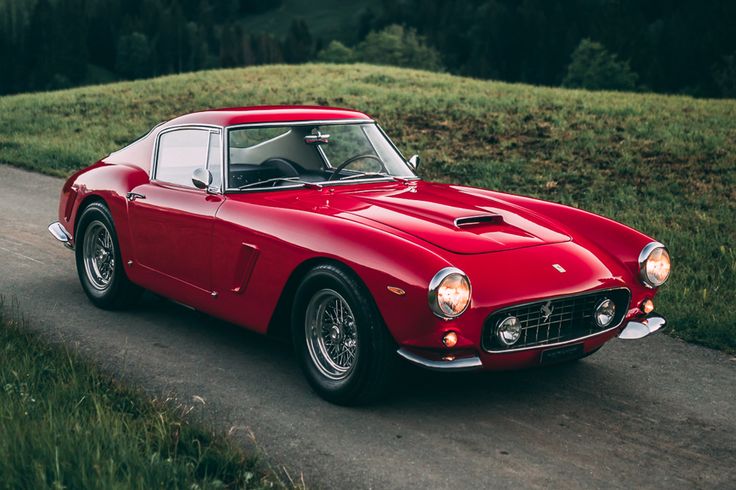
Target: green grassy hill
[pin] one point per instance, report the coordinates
(663, 164)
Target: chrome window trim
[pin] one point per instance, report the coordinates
(390, 141)
(554, 298)
(313, 122)
(209, 128)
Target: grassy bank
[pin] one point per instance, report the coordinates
(663, 164)
(63, 424)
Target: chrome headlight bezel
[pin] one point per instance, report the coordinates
(509, 320)
(603, 304)
(644, 257)
(433, 293)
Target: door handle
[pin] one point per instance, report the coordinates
(132, 196)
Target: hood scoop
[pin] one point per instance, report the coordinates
(479, 219)
(454, 218)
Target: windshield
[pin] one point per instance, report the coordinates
(298, 155)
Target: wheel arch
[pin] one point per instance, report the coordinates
(83, 204)
(279, 326)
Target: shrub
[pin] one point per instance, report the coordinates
(397, 46)
(593, 67)
(336, 52)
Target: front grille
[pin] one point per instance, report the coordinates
(571, 318)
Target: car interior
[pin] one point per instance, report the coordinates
(261, 154)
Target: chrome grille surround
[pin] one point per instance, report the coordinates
(570, 319)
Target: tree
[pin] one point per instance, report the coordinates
(298, 46)
(336, 52)
(134, 55)
(397, 46)
(725, 76)
(230, 46)
(594, 68)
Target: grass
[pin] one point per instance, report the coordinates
(663, 164)
(64, 424)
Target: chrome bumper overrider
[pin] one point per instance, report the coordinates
(461, 364)
(60, 233)
(642, 328)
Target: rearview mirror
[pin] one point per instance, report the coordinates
(201, 178)
(317, 139)
(414, 161)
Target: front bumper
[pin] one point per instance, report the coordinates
(448, 363)
(637, 329)
(59, 232)
(633, 329)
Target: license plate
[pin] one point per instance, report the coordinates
(560, 354)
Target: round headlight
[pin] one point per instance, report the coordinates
(654, 265)
(509, 330)
(449, 293)
(604, 313)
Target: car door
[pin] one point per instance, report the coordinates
(171, 220)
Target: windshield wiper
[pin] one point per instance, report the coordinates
(366, 174)
(295, 180)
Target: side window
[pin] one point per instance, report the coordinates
(215, 157)
(180, 152)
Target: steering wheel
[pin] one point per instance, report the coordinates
(285, 167)
(354, 159)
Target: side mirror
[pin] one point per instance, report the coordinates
(414, 161)
(201, 178)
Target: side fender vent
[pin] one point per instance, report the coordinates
(482, 219)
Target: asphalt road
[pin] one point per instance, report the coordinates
(650, 413)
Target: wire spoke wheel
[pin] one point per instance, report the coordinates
(331, 334)
(98, 254)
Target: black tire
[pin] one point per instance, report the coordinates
(118, 292)
(370, 376)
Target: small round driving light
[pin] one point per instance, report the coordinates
(450, 339)
(654, 265)
(509, 330)
(604, 313)
(647, 306)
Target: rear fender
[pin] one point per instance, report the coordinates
(106, 183)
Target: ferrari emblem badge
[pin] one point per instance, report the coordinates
(547, 310)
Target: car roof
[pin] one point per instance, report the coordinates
(231, 116)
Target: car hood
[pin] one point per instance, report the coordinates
(458, 219)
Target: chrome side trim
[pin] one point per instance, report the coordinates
(640, 329)
(462, 364)
(59, 232)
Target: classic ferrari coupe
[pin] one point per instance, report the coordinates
(308, 222)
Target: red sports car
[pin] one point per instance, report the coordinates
(308, 221)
